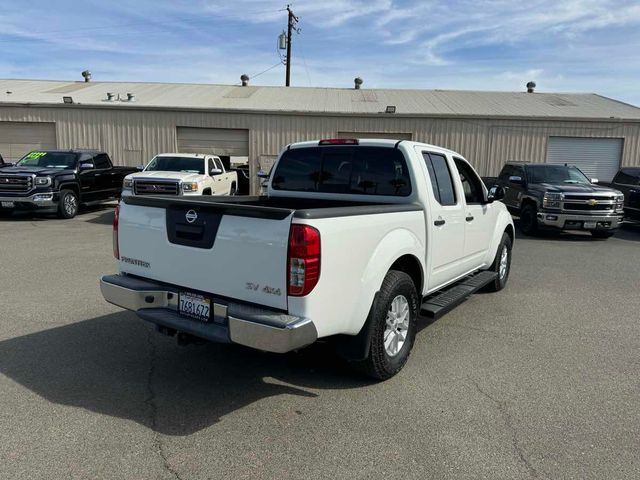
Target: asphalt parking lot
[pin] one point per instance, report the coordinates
(538, 381)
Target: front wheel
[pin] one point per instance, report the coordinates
(602, 233)
(68, 206)
(232, 192)
(393, 315)
(501, 265)
(529, 220)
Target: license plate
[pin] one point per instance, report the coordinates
(194, 306)
(589, 225)
(8, 204)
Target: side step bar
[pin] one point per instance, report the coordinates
(439, 303)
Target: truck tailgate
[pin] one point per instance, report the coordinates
(234, 251)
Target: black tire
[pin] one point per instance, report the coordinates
(602, 233)
(500, 282)
(206, 191)
(232, 192)
(379, 364)
(529, 219)
(5, 212)
(68, 204)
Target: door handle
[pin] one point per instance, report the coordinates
(439, 222)
(469, 218)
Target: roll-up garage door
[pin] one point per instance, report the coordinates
(215, 141)
(19, 138)
(596, 157)
(391, 136)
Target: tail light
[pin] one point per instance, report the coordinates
(339, 141)
(116, 220)
(303, 259)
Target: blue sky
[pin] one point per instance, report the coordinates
(566, 45)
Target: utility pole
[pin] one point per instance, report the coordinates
(291, 23)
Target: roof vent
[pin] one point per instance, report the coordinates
(531, 86)
(244, 78)
(358, 82)
(110, 96)
(131, 97)
(86, 75)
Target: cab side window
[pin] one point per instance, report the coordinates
(506, 172)
(101, 161)
(210, 165)
(471, 183)
(219, 165)
(441, 180)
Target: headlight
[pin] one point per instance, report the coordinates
(552, 200)
(190, 187)
(619, 202)
(43, 181)
(127, 183)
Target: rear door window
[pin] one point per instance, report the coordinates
(338, 169)
(441, 180)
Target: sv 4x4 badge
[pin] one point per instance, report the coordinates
(266, 289)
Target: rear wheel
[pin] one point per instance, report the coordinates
(68, 205)
(393, 316)
(529, 219)
(501, 265)
(602, 233)
(232, 192)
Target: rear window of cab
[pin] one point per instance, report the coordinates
(356, 170)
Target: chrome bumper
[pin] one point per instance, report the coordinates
(255, 327)
(37, 199)
(576, 221)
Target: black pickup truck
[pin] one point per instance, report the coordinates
(558, 197)
(60, 181)
(627, 180)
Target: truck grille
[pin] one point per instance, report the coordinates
(582, 203)
(588, 208)
(148, 187)
(15, 183)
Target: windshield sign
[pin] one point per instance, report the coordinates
(176, 164)
(556, 174)
(48, 160)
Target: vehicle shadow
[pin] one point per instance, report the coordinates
(37, 216)
(118, 365)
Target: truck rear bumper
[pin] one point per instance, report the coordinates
(231, 322)
(577, 221)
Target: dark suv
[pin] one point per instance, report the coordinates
(627, 180)
(560, 197)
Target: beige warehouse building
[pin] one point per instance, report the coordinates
(135, 121)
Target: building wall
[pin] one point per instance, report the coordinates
(132, 136)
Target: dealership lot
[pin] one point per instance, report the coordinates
(538, 381)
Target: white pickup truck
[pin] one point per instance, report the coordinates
(354, 240)
(182, 174)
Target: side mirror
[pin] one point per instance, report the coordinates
(263, 174)
(140, 167)
(594, 180)
(87, 166)
(215, 171)
(516, 179)
(495, 193)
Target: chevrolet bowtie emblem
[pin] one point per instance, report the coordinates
(593, 202)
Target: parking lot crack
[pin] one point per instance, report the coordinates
(515, 442)
(150, 401)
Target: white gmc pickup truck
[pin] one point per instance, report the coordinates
(182, 174)
(354, 240)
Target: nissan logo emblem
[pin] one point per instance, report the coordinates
(191, 216)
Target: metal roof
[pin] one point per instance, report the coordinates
(319, 100)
